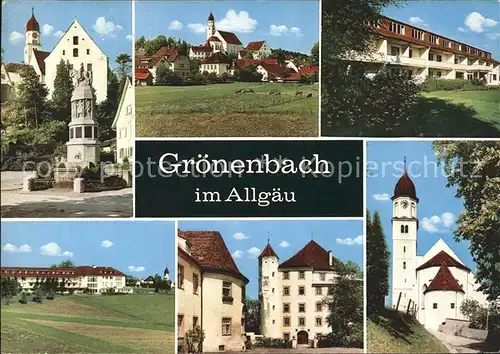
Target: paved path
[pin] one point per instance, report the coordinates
(56, 204)
(459, 344)
(304, 350)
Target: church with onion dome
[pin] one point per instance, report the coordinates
(75, 47)
(432, 285)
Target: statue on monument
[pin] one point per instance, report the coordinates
(81, 77)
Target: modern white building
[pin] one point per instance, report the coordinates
(122, 124)
(293, 293)
(91, 279)
(423, 54)
(210, 292)
(435, 284)
(75, 47)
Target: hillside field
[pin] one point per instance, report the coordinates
(90, 324)
(217, 110)
(394, 332)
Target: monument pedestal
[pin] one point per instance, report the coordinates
(64, 176)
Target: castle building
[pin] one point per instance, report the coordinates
(423, 54)
(75, 47)
(292, 294)
(432, 285)
(210, 292)
(93, 279)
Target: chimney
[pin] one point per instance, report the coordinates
(330, 259)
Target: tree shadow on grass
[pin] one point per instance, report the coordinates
(435, 117)
(397, 324)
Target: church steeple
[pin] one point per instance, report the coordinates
(32, 38)
(211, 25)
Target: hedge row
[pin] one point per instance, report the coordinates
(434, 84)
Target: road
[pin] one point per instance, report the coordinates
(460, 344)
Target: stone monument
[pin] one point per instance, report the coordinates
(83, 148)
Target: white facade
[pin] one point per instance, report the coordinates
(216, 68)
(434, 285)
(122, 124)
(77, 47)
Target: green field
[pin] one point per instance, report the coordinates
(217, 110)
(393, 332)
(461, 113)
(90, 324)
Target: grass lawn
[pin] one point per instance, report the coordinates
(91, 324)
(217, 110)
(463, 113)
(393, 332)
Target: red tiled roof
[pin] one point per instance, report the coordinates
(440, 258)
(210, 251)
(169, 53)
(293, 77)
(274, 69)
(308, 70)
(312, 255)
(32, 24)
(58, 272)
(405, 187)
(202, 48)
(268, 252)
(40, 59)
(217, 58)
(255, 46)
(213, 39)
(142, 75)
(444, 280)
(243, 63)
(229, 37)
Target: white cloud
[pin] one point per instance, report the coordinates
(106, 244)
(350, 241)
(9, 247)
(240, 236)
(106, 28)
(129, 37)
(47, 29)
(238, 254)
(284, 244)
(415, 20)
(382, 197)
(477, 22)
(253, 252)
(16, 37)
(53, 249)
(460, 29)
(175, 25)
(438, 224)
(296, 31)
(133, 268)
(237, 22)
(196, 27)
(278, 30)
(59, 34)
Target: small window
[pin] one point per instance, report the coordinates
(410, 53)
(452, 305)
(286, 307)
(286, 275)
(195, 321)
(286, 321)
(322, 276)
(302, 321)
(302, 290)
(226, 326)
(319, 291)
(71, 133)
(195, 283)
(78, 132)
(88, 51)
(402, 229)
(64, 52)
(272, 274)
(319, 322)
(286, 290)
(302, 307)
(226, 288)
(75, 40)
(319, 307)
(302, 274)
(435, 305)
(89, 67)
(75, 52)
(404, 249)
(88, 132)
(406, 229)
(180, 277)
(286, 337)
(404, 265)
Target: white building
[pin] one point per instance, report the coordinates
(421, 54)
(93, 279)
(122, 124)
(210, 292)
(217, 63)
(435, 284)
(259, 50)
(293, 293)
(223, 41)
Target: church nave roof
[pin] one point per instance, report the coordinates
(443, 258)
(444, 280)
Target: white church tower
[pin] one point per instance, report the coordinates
(32, 38)
(210, 26)
(269, 293)
(404, 241)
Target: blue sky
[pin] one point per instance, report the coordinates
(246, 240)
(474, 22)
(107, 22)
(435, 198)
(125, 245)
(296, 24)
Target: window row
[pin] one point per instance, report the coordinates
(83, 132)
(287, 321)
(302, 307)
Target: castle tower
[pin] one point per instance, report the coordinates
(269, 293)
(404, 241)
(211, 26)
(83, 148)
(32, 38)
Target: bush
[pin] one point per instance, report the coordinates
(272, 343)
(91, 173)
(25, 163)
(114, 182)
(439, 84)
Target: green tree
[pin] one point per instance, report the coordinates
(64, 264)
(63, 89)
(124, 62)
(194, 66)
(140, 43)
(106, 111)
(252, 315)
(31, 97)
(473, 168)
(315, 54)
(377, 264)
